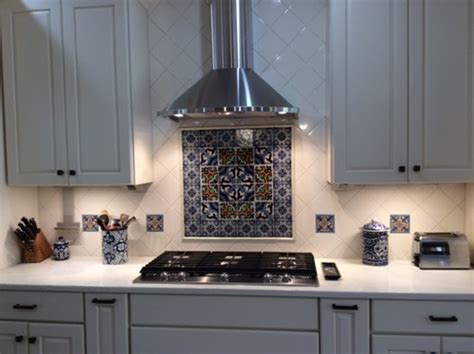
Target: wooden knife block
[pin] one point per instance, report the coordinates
(41, 250)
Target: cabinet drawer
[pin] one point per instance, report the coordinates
(225, 311)
(41, 306)
(149, 340)
(433, 317)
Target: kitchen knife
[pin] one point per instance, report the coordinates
(34, 225)
(27, 231)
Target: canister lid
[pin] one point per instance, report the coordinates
(61, 242)
(375, 225)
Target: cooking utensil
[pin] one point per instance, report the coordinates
(105, 217)
(123, 219)
(129, 221)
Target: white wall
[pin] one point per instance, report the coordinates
(290, 53)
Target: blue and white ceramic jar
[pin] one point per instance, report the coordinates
(61, 249)
(115, 246)
(375, 240)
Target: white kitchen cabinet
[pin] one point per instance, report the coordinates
(13, 338)
(33, 92)
(345, 326)
(400, 76)
(106, 323)
(368, 63)
(394, 344)
(104, 135)
(457, 345)
(48, 338)
(149, 340)
(441, 120)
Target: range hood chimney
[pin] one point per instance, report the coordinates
(231, 88)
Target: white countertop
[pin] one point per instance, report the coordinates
(398, 280)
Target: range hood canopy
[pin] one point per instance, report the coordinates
(232, 87)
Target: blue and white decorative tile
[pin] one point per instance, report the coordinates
(325, 223)
(238, 183)
(282, 228)
(263, 137)
(208, 138)
(400, 224)
(190, 139)
(89, 224)
(155, 223)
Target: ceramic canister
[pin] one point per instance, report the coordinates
(375, 243)
(115, 246)
(61, 249)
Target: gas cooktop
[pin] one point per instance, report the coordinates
(270, 268)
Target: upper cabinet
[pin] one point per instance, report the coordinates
(400, 78)
(77, 97)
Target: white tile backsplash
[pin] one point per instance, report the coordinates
(290, 51)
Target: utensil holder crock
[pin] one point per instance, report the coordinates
(115, 246)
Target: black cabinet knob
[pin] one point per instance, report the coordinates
(60, 172)
(32, 340)
(72, 172)
(417, 168)
(19, 339)
(402, 169)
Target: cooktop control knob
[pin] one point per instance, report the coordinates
(164, 276)
(286, 278)
(181, 276)
(267, 278)
(224, 277)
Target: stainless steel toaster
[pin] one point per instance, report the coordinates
(441, 250)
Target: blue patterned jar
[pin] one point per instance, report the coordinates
(375, 240)
(61, 250)
(115, 246)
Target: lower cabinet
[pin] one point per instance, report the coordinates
(41, 338)
(47, 338)
(107, 323)
(13, 338)
(149, 340)
(345, 326)
(397, 344)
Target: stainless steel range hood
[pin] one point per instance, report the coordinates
(231, 88)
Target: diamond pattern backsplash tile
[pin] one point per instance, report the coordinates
(238, 184)
(400, 224)
(290, 54)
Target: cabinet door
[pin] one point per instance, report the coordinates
(457, 345)
(345, 326)
(368, 91)
(392, 344)
(47, 338)
(97, 91)
(34, 101)
(13, 338)
(106, 323)
(441, 77)
(149, 340)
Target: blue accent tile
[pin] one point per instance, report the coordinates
(400, 224)
(325, 223)
(192, 227)
(281, 155)
(228, 193)
(247, 228)
(191, 174)
(89, 224)
(226, 137)
(227, 175)
(282, 210)
(282, 172)
(208, 156)
(282, 192)
(263, 210)
(263, 228)
(210, 228)
(191, 157)
(245, 174)
(155, 223)
(246, 192)
(229, 228)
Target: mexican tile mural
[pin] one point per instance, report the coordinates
(237, 182)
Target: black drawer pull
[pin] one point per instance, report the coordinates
(104, 301)
(345, 307)
(24, 307)
(19, 339)
(32, 340)
(443, 319)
